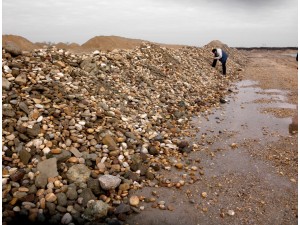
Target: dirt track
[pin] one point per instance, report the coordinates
(248, 162)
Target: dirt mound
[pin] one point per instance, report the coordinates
(104, 43)
(110, 43)
(19, 41)
(216, 44)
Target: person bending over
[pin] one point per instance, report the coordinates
(222, 56)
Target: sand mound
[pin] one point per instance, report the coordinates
(110, 43)
(19, 41)
(216, 44)
(96, 43)
(62, 45)
(104, 43)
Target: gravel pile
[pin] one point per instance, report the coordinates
(80, 131)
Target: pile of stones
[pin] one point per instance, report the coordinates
(80, 131)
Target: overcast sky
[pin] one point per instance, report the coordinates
(237, 23)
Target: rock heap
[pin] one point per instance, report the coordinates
(80, 131)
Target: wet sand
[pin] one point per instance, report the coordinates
(247, 162)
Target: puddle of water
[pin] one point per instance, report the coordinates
(241, 114)
(239, 120)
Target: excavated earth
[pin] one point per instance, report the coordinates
(130, 137)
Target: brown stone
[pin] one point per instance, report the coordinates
(110, 142)
(56, 151)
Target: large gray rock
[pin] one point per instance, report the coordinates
(48, 167)
(108, 182)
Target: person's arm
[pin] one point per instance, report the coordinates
(219, 53)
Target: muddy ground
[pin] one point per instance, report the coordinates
(246, 171)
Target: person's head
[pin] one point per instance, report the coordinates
(214, 50)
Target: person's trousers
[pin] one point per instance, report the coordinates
(223, 65)
(224, 68)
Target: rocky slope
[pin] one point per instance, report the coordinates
(80, 131)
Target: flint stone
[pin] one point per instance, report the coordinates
(131, 176)
(7, 69)
(34, 131)
(63, 156)
(122, 208)
(75, 152)
(136, 162)
(61, 209)
(72, 193)
(61, 199)
(18, 175)
(48, 167)
(32, 189)
(41, 218)
(153, 150)
(108, 182)
(109, 141)
(41, 181)
(6, 85)
(66, 219)
(88, 65)
(15, 71)
(7, 110)
(51, 207)
(159, 138)
(24, 156)
(95, 210)
(24, 107)
(187, 149)
(130, 135)
(94, 185)
(21, 79)
(87, 195)
(79, 173)
(183, 144)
